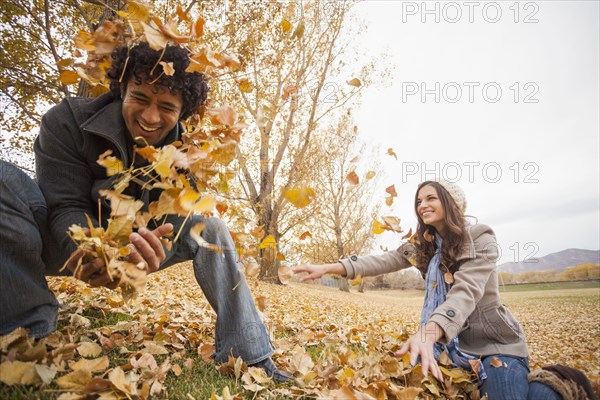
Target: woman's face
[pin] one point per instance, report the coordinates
(430, 209)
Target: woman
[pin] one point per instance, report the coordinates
(462, 313)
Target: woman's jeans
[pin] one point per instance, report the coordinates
(28, 253)
(510, 382)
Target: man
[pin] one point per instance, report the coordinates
(145, 106)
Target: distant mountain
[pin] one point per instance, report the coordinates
(554, 261)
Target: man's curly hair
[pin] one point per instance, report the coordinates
(139, 61)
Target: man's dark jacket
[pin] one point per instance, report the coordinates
(73, 135)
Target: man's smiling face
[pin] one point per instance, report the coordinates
(150, 112)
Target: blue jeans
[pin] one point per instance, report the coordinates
(510, 382)
(28, 253)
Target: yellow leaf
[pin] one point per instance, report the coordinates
(64, 62)
(112, 164)
(389, 201)
(168, 68)
(357, 280)
(75, 381)
(118, 379)
(285, 273)
(286, 26)
(352, 178)
(94, 365)
(206, 204)
(354, 82)
(371, 175)
(246, 86)
(344, 376)
(378, 227)
(269, 241)
(154, 36)
(261, 302)
(300, 196)
(391, 152)
(195, 234)
(89, 349)
(19, 373)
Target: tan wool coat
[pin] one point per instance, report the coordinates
(472, 309)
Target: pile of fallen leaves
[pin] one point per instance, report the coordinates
(336, 345)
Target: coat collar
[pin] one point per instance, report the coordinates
(108, 123)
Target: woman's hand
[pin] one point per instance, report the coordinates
(421, 344)
(315, 271)
(147, 247)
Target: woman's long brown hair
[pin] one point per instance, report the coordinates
(453, 239)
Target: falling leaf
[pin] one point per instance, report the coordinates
(352, 178)
(408, 235)
(370, 175)
(168, 68)
(269, 241)
(261, 302)
(389, 200)
(258, 232)
(246, 86)
(195, 234)
(392, 223)
(64, 62)
(496, 362)
(285, 273)
(391, 152)
(428, 236)
(198, 28)
(299, 31)
(221, 208)
(182, 15)
(286, 26)
(154, 36)
(252, 268)
(306, 235)
(358, 279)
(378, 228)
(448, 278)
(391, 190)
(300, 196)
(112, 164)
(68, 77)
(354, 82)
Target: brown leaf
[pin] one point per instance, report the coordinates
(496, 362)
(89, 349)
(391, 152)
(19, 373)
(391, 190)
(68, 77)
(370, 175)
(352, 178)
(168, 68)
(408, 235)
(306, 235)
(286, 26)
(75, 381)
(246, 86)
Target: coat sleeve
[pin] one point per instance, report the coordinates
(63, 174)
(373, 265)
(469, 284)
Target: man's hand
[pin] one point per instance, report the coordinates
(92, 272)
(421, 344)
(147, 247)
(315, 271)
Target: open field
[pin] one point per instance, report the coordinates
(334, 342)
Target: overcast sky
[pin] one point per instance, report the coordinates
(515, 121)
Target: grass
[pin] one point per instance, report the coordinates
(525, 287)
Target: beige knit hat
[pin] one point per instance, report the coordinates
(456, 193)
